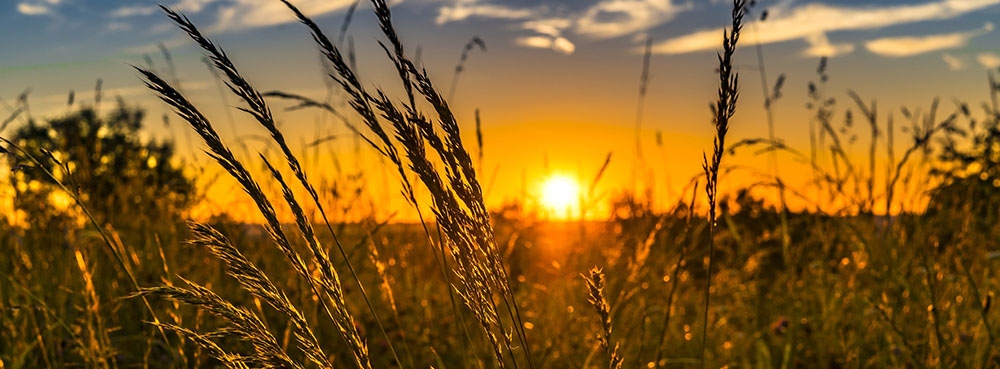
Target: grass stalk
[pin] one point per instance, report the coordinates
(329, 290)
(724, 109)
(595, 280)
(644, 77)
(675, 281)
(456, 194)
(769, 100)
(460, 66)
(363, 103)
(259, 109)
(111, 243)
(871, 116)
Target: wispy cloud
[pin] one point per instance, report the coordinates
(615, 18)
(32, 9)
(131, 11)
(820, 45)
(244, 14)
(552, 25)
(557, 43)
(812, 20)
(953, 62)
(154, 47)
(988, 60)
(549, 27)
(466, 9)
(118, 27)
(191, 6)
(43, 7)
(909, 46)
(239, 14)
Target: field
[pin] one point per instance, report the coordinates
(893, 264)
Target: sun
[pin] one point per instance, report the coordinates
(561, 196)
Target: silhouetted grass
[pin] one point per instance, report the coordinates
(858, 279)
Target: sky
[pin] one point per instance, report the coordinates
(557, 86)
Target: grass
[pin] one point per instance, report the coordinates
(724, 109)
(470, 287)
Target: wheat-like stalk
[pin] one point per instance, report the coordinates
(328, 288)
(244, 325)
(724, 109)
(595, 288)
(456, 194)
(257, 282)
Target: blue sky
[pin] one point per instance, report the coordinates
(549, 65)
(37, 29)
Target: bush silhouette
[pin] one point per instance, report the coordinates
(121, 179)
(971, 187)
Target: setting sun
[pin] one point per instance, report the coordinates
(560, 196)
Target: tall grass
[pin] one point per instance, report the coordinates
(724, 109)
(595, 287)
(832, 289)
(457, 197)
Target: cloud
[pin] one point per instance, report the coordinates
(549, 35)
(38, 7)
(953, 62)
(237, 15)
(988, 60)
(191, 6)
(240, 14)
(131, 11)
(150, 48)
(615, 18)
(33, 9)
(549, 27)
(819, 46)
(244, 14)
(118, 26)
(909, 46)
(603, 19)
(558, 44)
(808, 21)
(465, 9)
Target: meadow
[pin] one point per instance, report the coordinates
(892, 266)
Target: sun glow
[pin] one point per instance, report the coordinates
(561, 196)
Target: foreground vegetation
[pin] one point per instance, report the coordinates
(118, 279)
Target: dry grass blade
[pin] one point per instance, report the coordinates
(460, 66)
(347, 20)
(224, 156)
(256, 282)
(599, 175)
(360, 100)
(871, 116)
(305, 102)
(724, 109)
(259, 109)
(244, 324)
(330, 282)
(230, 360)
(469, 230)
(644, 78)
(595, 287)
(455, 191)
(13, 115)
(479, 139)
